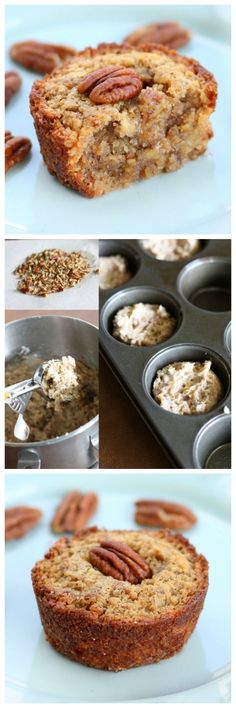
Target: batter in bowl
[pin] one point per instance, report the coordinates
(49, 418)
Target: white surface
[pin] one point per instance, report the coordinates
(82, 297)
(195, 199)
(199, 673)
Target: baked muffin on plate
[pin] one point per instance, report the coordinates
(116, 114)
(119, 599)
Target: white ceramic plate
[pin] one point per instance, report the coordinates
(82, 297)
(199, 673)
(196, 199)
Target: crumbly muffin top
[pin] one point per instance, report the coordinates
(67, 578)
(143, 324)
(187, 387)
(164, 74)
(171, 249)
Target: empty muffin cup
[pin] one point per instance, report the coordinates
(186, 353)
(212, 445)
(206, 284)
(135, 295)
(130, 259)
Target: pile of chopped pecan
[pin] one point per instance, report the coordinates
(51, 271)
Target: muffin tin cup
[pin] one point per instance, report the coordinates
(133, 295)
(112, 247)
(186, 352)
(134, 366)
(212, 445)
(206, 284)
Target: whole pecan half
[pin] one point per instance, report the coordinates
(119, 561)
(19, 520)
(12, 85)
(16, 149)
(39, 56)
(168, 33)
(74, 512)
(111, 84)
(165, 514)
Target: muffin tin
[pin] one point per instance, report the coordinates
(197, 292)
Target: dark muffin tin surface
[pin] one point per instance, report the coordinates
(197, 292)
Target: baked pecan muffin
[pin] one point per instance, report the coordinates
(119, 599)
(117, 113)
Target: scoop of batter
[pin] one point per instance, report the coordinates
(170, 249)
(143, 324)
(187, 387)
(59, 380)
(113, 271)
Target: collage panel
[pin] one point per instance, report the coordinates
(147, 153)
(166, 637)
(51, 341)
(165, 336)
(118, 330)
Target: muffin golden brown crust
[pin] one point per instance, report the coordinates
(112, 624)
(98, 148)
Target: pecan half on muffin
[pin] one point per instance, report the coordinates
(116, 114)
(119, 599)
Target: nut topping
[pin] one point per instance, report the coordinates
(165, 514)
(12, 85)
(40, 57)
(111, 84)
(19, 520)
(16, 149)
(74, 512)
(168, 33)
(119, 561)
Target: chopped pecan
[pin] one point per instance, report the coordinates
(16, 149)
(111, 84)
(19, 520)
(164, 513)
(40, 57)
(12, 85)
(51, 271)
(74, 512)
(168, 33)
(119, 561)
